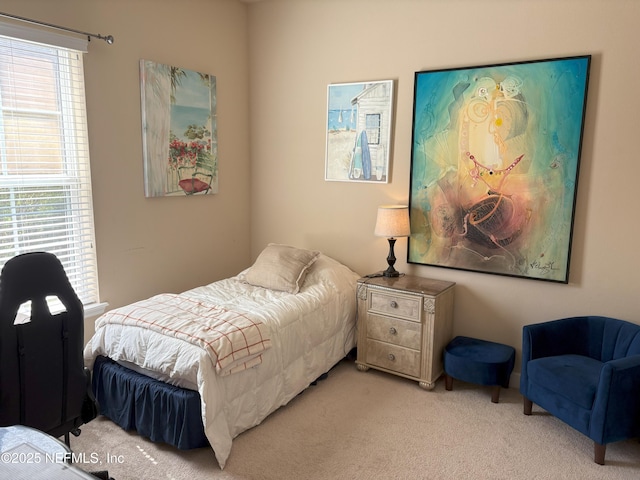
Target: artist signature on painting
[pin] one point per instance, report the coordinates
(544, 267)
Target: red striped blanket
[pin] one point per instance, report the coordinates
(233, 340)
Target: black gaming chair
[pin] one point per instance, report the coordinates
(43, 381)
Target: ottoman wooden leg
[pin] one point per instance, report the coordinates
(528, 406)
(448, 382)
(495, 394)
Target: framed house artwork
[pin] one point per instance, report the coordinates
(494, 166)
(179, 131)
(359, 117)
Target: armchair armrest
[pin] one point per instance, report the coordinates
(616, 408)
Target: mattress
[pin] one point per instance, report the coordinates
(309, 332)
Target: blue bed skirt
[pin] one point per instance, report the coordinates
(156, 410)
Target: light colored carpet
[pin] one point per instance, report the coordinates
(371, 425)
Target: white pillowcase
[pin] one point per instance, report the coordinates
(281, 267)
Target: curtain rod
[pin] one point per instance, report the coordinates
(108, 38)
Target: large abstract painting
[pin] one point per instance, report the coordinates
(359, 117)
(179, 131)
(494, 166)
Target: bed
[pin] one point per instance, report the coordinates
(226, 354)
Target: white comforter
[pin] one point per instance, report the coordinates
(234, 340)
(309, 332)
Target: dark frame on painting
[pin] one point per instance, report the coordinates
(495, 158)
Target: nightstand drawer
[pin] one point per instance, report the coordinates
(393, 357)
(394, 330)
(407, 307)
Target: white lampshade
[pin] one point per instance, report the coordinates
(393, 221)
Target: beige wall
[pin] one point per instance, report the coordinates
(298, 47)
(273, 65)
(151, 245)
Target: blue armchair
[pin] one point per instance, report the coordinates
(586, 372)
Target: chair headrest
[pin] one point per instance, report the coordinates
(33, 277)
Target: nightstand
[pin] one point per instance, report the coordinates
(404, 323)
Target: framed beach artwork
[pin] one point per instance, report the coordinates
(179, 131)
(359, 117)
(494, 166)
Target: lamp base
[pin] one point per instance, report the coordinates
(391, 260)
(391, 272)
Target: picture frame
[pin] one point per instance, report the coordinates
(179, 131)
(494, 166)
(358, 136)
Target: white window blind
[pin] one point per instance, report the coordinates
(45, 178)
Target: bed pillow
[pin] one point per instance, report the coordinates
(281, 267)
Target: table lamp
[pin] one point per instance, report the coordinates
(392, 222)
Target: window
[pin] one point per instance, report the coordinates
(45, 181)
(373, 128)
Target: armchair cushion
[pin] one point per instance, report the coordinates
(574, 377)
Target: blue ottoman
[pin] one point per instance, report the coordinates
(480, 362)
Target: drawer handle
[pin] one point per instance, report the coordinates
(394, 304)
(393, 331)
(391, 357)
